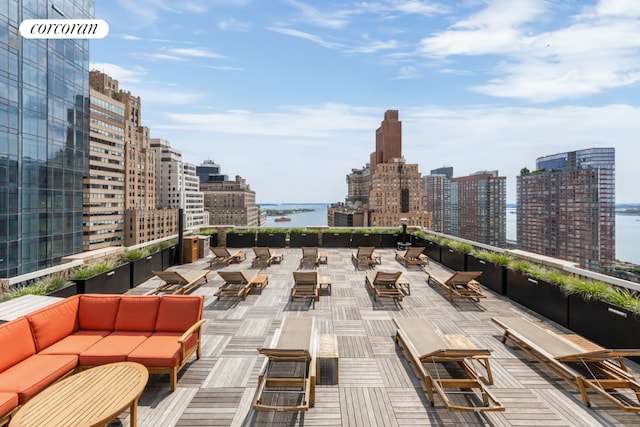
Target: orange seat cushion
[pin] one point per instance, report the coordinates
(54, 322)
(8, 401)
(178, 312)
(15, 335)
(34, 374)
(160, 350)
(115, 347)
(75, 343)
(98, 312)
(137, 313)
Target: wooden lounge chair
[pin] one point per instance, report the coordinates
(222, 255)
(595, 368)
(412, 256)
(365, 256)
(306, 284)
(264, 257)
(461, 284)
(309, 256)
(384, 284)
(424, 348)
(236, 283)
(288, 377)
(180, 283)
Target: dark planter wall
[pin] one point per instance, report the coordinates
(432, 250)
(141, 269)
(68, 290)
(298, 240)
(453, 259)
(274, 240)
(391, 240)
(213, 240)
(169, 257)
(336, 240)
(368, 239)
(542, 297)
(241, 240)
(493, 277)
(116, 281)
(607, 325)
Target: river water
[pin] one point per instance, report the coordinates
(627, 226)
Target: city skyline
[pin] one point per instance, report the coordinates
(288, 95)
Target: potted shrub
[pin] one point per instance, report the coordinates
(336, 238)
(539, 289)
(143, 262)
(299, 237)
(365, 237)
(57, 286)
(433, 248)
(237, 238)
(168, 253)
(454, 254)
(104, 277)
(419, 238)
(212, 233)
(272, 237)
(493, 266)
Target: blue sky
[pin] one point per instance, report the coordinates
(288, 94)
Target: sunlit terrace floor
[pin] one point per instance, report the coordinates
(377, 387)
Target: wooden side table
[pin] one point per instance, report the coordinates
(404, 283)
(259, 282)
(90, 398)
(327, 351)
(323, 258)
(325, 281)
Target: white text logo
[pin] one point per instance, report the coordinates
(64, 28)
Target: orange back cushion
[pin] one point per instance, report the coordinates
(54, 322)
(98, 312)
(137, 313)
(178, 312)
(16, 343)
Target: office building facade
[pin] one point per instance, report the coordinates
(44, 138)
(566, 208)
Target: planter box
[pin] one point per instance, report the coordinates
(241, 240)
(391, 240)
(213, 240)
(493, 277)
(365, 239)
(169, 256)
(272, 240)
(141, 269)
(298, 240)
(453, 259)
(116, 281)
(432, 250)
(603, 323)
(542, 297)
(68, 290)
(336, 240)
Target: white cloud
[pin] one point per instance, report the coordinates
(134, 74)
(306, 36)
(196, 52)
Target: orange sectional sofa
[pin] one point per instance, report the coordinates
(159, 331)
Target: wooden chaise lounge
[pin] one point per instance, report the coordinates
(236, 283)
(264, 257)
(412, 256)
(425, 348)
(306, 284)
(180, 283)
(365, 256)
(462, 284)
(309, 256)
(288, 377)
(384, 284)
(594, 368)
(222, 255)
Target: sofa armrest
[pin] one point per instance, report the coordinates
(183, 339)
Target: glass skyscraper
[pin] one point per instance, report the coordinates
(44, 137)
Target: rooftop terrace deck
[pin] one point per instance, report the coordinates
(376, 384)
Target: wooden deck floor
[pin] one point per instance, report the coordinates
(377, 387)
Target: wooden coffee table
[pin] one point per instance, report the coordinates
(89, 398)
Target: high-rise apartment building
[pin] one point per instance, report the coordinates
(396, 193)
(227, 202)
(177, 185)
(143, 222)
(481, 207)
(566, 208)
(437, 187)
(44, 137)
(104, 187)
(358, 187)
